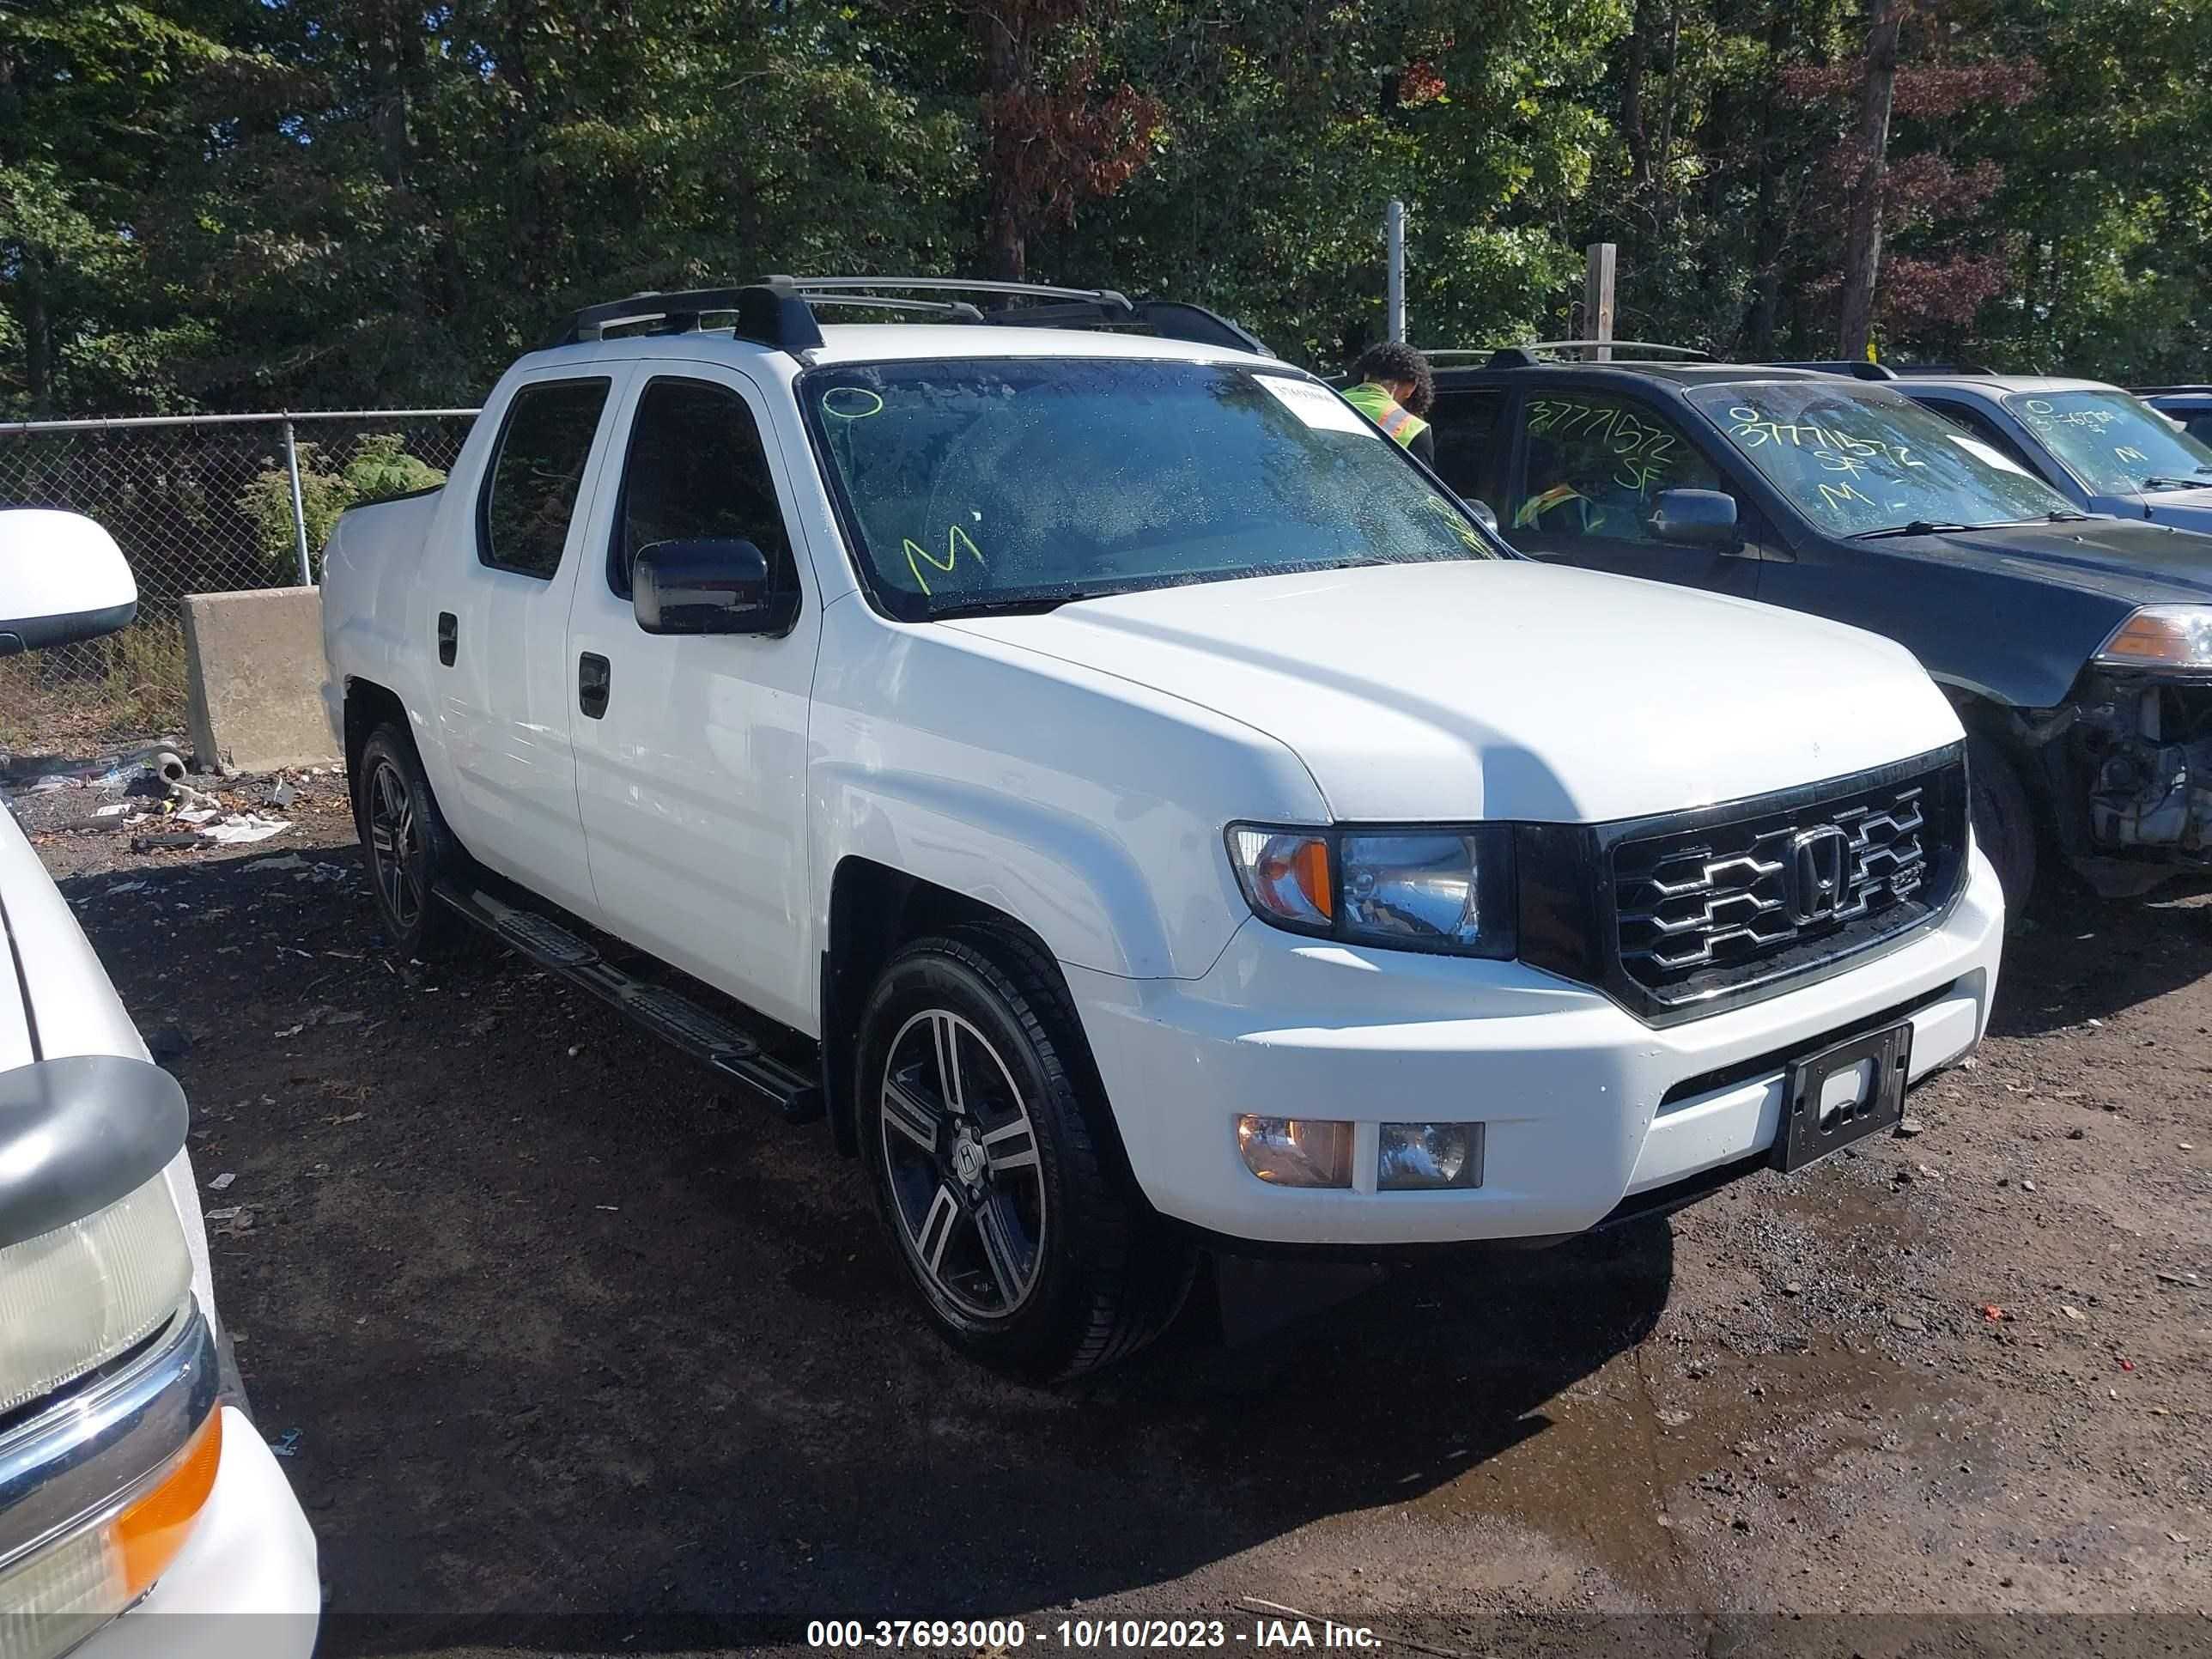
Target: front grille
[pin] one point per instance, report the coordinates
(1713, 902)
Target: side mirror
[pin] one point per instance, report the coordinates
(62, 579)
(1487, 513)
(717, 585)
(1695, 518)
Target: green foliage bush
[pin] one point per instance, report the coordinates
(380, 469)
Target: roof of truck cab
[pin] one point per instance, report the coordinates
(868, 342)
(1997, 386)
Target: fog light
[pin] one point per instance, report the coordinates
(1297, 1151)
(1425, 1157)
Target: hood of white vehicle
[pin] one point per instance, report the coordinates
(1497, 690)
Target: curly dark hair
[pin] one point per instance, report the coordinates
(1394, 360)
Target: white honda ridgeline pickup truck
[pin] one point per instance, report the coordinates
(1134, 800)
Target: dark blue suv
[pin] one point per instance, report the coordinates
(2076, 647)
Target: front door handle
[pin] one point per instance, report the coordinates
(592, 675)
(448, 637)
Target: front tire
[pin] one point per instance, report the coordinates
(407, 847)
(2004, 822)
(995, 1167)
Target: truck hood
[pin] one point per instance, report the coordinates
(2122, 559)
(1509, 690)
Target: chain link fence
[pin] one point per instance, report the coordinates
(204, 505)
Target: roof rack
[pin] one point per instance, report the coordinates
(1856, 368)
(2171, 391)
(1524, 357)
(778, 312)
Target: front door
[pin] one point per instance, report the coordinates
(1590, 465)
(691, 749)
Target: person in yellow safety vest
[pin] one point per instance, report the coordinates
(1395, 392)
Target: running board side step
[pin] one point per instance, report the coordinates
(708, 1036)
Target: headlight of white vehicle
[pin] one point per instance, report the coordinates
(87, 1291)
(2162, 636)
(1441, 890)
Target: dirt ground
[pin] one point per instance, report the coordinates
(584, 1355)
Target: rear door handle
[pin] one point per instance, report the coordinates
(448, 637)
(592, 674)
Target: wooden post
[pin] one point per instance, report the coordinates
(1597, 300)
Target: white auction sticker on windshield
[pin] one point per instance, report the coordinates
(1316, 405)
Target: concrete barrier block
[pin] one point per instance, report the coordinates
(254, 675)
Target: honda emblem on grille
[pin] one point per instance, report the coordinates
(1820, 858)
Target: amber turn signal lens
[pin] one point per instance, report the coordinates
(147, 1535)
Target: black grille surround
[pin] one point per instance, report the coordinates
(1689, 913)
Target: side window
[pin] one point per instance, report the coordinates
(1595, 463)
(1987, 430)
(696, 469)
(522, 520)
(1464, 424)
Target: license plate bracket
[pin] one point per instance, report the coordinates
(1844, 1093)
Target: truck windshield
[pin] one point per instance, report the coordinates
(995, 484)
(1857, 458)
(2111, 442)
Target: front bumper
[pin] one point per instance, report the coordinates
(1584, 1105)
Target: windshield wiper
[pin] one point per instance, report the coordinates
(2066, 516)
(1918, 527)
(2176, 483)
(1010, 605)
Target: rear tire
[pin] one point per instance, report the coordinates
(2004, 822)
(407, 848)
(996, 1166)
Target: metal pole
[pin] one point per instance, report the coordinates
(298, 506)
(1394, 233)
(1597, 298)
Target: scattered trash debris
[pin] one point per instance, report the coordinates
(350, 1117)
(2125, 1364)
(165, 839)
(2028, 1186)
(237, 829)
(222, 1182)
(1993, 1313)
(283, 796)
(2179, 1278)
(114, 809)
(122, 887)
(2096, 1022)
(293, 1031)
(284, 861)
(230, 1213)
(286, 1444)
(2071, 1312)
(1909, 1127)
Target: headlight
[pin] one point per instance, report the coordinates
(2162, 636)
(65, 1590)
(86, 1291)
(1414, 890)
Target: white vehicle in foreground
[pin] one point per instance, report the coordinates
(140, 1516)
(1134, 800)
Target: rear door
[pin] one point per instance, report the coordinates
(1586, 471)
(502, 635)
(691, 758)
